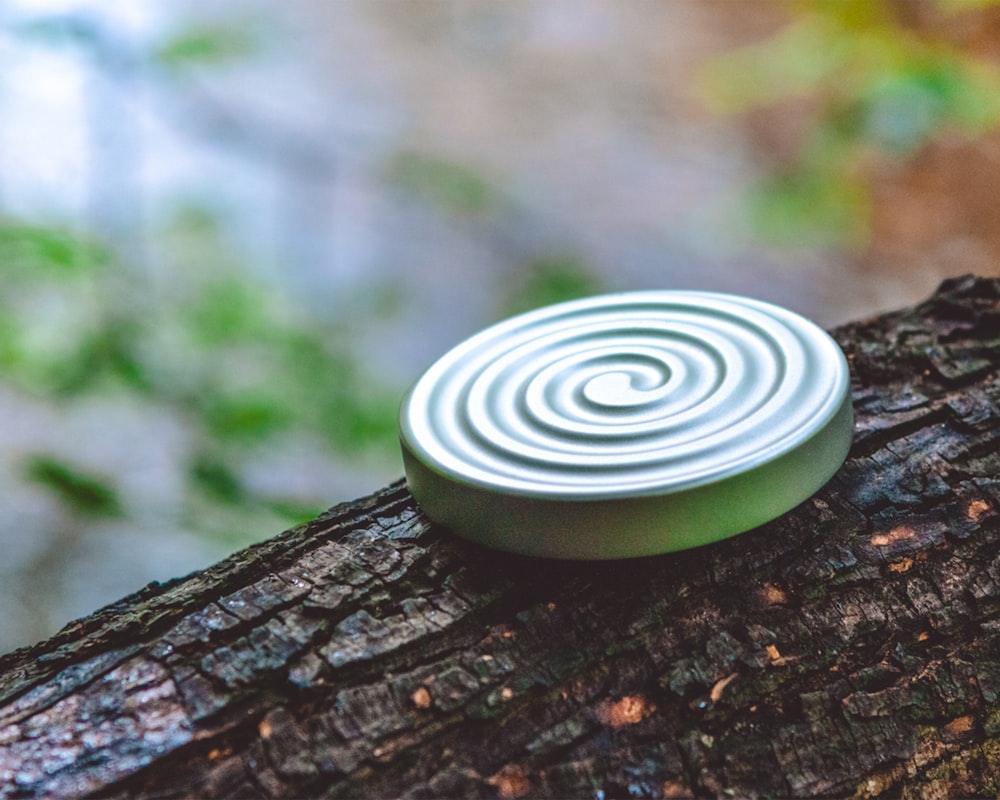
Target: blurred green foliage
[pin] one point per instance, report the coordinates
(195, 44)
(196, 335)
(79, 489)
(209, 45)
(452, 186)
(550, 280)
(878, 90)
(463, 191)
(232, 356)
(199, 337)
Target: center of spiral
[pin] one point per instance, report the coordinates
(622, 389)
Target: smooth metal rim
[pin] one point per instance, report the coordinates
(620, 528)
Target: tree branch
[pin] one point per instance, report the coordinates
(848, 647)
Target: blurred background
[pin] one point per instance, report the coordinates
(232, 233)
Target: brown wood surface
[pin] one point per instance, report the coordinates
(850, 647)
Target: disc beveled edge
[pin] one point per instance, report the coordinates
(636, 526)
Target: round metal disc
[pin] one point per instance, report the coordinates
(627, 424)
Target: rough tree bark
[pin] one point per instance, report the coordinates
(850, 647)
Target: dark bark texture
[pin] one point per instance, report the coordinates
(851, 647)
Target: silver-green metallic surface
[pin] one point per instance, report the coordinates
(627, 425)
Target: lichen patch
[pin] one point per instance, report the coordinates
(898, 534)
(421, 698)
(626, 711)
(511, 781)
(976, 510)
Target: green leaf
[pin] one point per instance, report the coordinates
(37, 249)
(551, 280)
(454, 187)
(11, 346)
(248, 416)
(792, 62)
(208, 45)
(214, 477)
(75, 487)
(295, 513)
(800, 207)
(904, 109)
(230, 309)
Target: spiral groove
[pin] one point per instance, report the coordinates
(624, 395)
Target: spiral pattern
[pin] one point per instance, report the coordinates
(624, 395)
